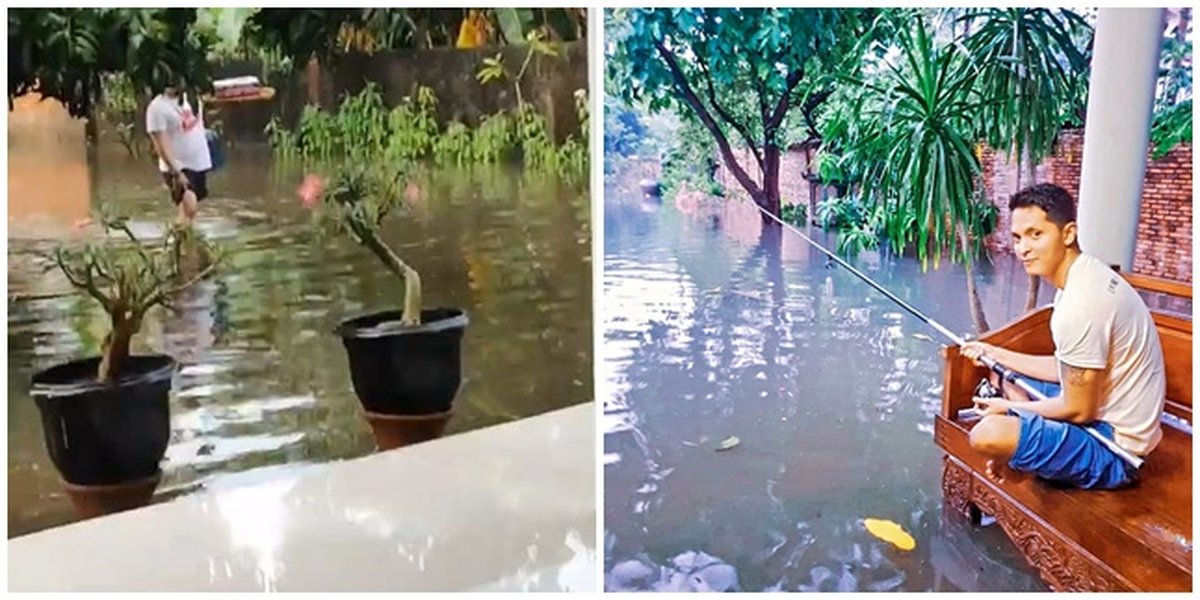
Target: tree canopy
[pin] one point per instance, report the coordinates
(740, 72)
(62, 53)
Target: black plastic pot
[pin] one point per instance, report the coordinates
(400, 370)
(99, 434)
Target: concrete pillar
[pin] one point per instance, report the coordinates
(1117, 134)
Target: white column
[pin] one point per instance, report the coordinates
(1117, 134)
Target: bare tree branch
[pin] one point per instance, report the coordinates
(722, 142)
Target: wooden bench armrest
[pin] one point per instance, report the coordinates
(1158, 284)
(1027, 334)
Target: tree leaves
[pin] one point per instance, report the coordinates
(64, 52)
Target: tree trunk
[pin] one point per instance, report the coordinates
(771, 180)
(412, 280)
(116, 347)
(977, 315)
(1028, 172)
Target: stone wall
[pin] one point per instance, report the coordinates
(1164, 237)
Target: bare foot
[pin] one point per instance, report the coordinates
(994, 471)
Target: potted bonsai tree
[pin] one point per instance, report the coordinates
(405, 365)
(105, 419)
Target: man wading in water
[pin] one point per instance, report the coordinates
(1107, 370)
(177, 134)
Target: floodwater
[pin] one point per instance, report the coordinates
(715, 327)
(264, 380)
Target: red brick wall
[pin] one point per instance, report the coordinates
(1164, 238)
(793, 187)
(1164, 241)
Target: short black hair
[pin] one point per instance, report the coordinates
(1059, 207)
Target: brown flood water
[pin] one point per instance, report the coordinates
(264, 380)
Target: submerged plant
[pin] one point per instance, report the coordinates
(128, 278)
(356, 201)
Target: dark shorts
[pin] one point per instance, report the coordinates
(1066, 452)
(197, 182)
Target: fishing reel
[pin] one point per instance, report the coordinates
(985, 389)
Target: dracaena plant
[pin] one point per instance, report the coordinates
(356, 200)
(129, 278)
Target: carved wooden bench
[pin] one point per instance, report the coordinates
(1138, 538)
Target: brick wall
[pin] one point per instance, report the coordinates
(793, 187)
(1164, 237)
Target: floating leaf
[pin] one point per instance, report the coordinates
(890, 532)
(728, 443)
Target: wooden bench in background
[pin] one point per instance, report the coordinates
(1137, 539)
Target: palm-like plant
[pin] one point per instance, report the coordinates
(1030, 67)
(911, 147)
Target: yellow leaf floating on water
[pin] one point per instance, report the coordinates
(891, 533)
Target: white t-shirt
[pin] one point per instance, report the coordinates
(184, 132)
(1100, 322)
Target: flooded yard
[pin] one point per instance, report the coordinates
(264, 380)
(716, 328)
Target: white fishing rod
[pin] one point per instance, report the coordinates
(1004, 372)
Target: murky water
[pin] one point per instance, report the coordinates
(265, 381)
(715, 328)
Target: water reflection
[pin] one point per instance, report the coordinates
(263, 379)
(830, 389)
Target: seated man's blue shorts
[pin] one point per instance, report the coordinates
(1066, 452)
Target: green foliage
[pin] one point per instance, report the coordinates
(1029, 68)
(690, 159)
(412, 126)
(795, 214)
(574, 154)
(63, 53)
(910, 141)
(1175, 66)
(494, 138)
(1172, 123)
(360, 128)
(361, 194)
(560, 23)
(857, 238)
(494, 69)
(838, 212)
(363, 129)
(301, 33)
(119, 109)
(454, 146)
(739, 72)
(623, 130)
(1172, 127)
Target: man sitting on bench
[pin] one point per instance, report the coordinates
(1107, 370)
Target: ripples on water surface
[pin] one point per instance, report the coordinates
(264, 381)
(713, 329)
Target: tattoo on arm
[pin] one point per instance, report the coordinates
(1076, 376)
